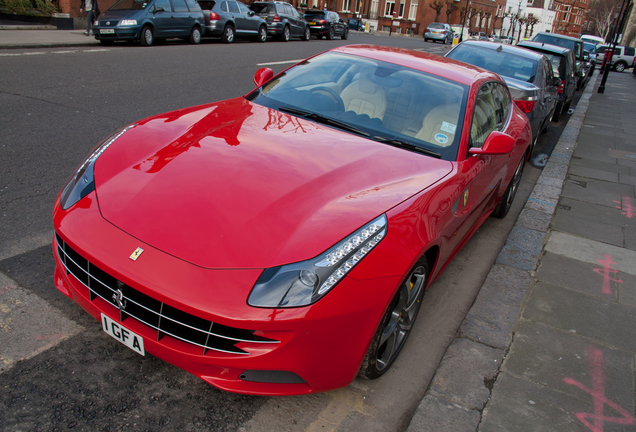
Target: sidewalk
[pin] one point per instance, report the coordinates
(550, 342)
(10, 37)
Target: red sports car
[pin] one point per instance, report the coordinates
(280, 243)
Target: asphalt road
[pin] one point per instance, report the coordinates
(55, 106)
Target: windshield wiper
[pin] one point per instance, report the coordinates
(324, 120)
(407, 146)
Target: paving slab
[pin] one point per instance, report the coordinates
(582, 314)
(580, 276)
(497, 308)
(467, 365)
(523, 406)
(596, 191)
(436, 414)
(591, 251)
(594, 173)
(605, 166)
(522, 249)
(553, 357)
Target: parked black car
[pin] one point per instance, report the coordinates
(528, 74)
(564, 67)
(228, 19)
(283, 20)
(327, 24)
(571, 43)
(147, 21)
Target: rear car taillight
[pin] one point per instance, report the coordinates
(526, 105)
(276, 18)
(561, 86)
(323, 22)
(214, 16)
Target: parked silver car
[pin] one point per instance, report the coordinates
(528, 74)
(228, 19)
(439, 32)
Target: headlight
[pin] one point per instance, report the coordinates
(83, 182)
(304, 283)
(128, 22)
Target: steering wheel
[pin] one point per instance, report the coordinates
(335, 97)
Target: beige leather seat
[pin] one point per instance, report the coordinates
(364, 96)
(439, 125)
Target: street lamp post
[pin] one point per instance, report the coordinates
(617, 26)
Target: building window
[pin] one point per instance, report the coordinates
(401, 13)
(373, 13)
(413, 10)
(389, 8)
(346, 4)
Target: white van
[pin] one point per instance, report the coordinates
(593, 39)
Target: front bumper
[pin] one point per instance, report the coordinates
(293, 351)
(118, 33)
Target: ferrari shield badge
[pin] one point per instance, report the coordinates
(136, 254)
(465, 197)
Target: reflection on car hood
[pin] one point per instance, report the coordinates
(238, 185)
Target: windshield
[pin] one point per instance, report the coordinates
(499, 62)
(436, 26)
(589, 47)
(380, 101)
(130, 5)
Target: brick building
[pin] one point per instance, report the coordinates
(570, 16)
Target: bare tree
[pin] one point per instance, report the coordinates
(487, 15)
(532, 21)
(437, 5)
(521, 20)
(451, 6)
(602, 13)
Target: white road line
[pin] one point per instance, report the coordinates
(64, 52)
(34, 53)
(279, 63)
(97, 50)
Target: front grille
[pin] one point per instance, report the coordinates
(166, 320)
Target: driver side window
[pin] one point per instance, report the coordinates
(165, 4)
(484, 115)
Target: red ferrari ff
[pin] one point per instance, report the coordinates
(280, 243)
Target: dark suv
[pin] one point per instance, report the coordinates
(571, 43)
(327, 24)
(283, 20)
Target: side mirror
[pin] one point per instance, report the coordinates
(497, 143)
(262, 76)
(251, 13)
(159, 9)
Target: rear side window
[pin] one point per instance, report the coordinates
(244, 9)
(233, 7)
(193, 5)
(180, 6)
(630, 51)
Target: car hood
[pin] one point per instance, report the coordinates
(238, 185)
(118, 15)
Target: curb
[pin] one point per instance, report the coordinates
(460, 389)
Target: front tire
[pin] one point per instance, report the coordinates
(195, 36)
(286, 34)
(396, 324)
(508, 197)
(147, 36)
(228, 34)
(262, 34)
(330, 33)
(306, 35)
